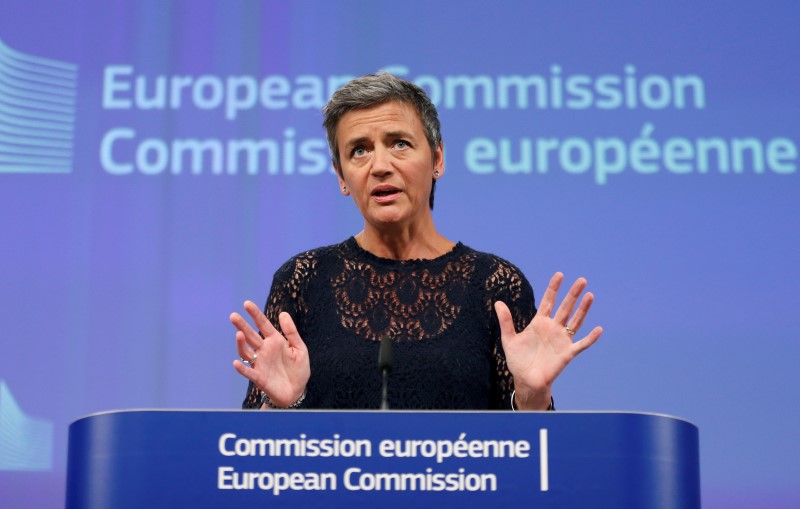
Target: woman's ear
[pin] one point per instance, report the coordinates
(342, 184)
(438, 161)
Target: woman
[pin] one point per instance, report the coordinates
(451, 312)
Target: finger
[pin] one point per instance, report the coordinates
(242, 348)
(549, 297)
(568, 304)
(250, 335)
(246, 372)
(505, 319)
(576, 321)
(588, 341)
(290, 331)
(259, 318)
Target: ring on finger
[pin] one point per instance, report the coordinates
(569, 331)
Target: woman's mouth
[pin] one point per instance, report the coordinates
(385, 194)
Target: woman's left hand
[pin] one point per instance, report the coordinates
(538, 354)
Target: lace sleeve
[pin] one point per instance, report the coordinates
(286, 294)
(507, 284)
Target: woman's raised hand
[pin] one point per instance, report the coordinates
(538, 354)
(279, 365)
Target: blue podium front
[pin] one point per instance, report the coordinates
(214, 459)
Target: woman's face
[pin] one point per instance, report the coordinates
(386, 164)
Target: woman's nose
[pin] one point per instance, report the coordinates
(381, 161)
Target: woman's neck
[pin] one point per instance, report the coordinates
(405, 244)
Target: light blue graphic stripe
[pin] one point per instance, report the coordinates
(36, 133)
(26, 443)
(43, 73)
(34, 124)
(36, 60)
(26, 94)
(9, 70)
(40, 167)
(39, 105)
(34, 170)
(37, 143)
(36, 161)
(55, 90)
(67, 119)
(35, 151)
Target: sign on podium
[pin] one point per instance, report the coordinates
(220, 459)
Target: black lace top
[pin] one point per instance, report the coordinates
(439, 313)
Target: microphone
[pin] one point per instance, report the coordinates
(385, 360)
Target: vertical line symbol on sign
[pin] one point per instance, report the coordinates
(544, 474)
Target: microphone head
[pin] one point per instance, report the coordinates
(385, 358)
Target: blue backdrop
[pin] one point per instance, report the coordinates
(160, 160)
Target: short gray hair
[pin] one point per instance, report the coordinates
(375, 89)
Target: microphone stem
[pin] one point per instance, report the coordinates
(385, 390)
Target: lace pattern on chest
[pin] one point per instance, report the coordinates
(404, 303)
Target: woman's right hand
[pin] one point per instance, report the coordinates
(280, 366)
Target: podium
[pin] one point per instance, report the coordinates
(218, 459)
